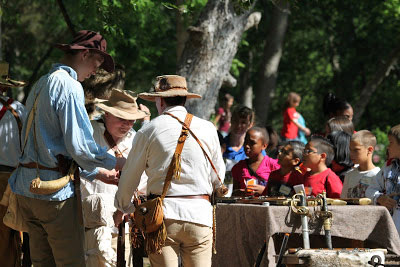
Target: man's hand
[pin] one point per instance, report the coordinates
(145, 109)
(120, 163)
(118, 217)
(387, 202)
(108, 176)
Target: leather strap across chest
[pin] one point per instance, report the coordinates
(178, 151)
(110, 141)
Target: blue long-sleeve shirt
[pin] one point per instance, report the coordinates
(62, 127)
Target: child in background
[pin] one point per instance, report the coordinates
(223, 118)
(356, 181)
(385, 187)
(274, 140)
(317, 155)
(334, 106)
(281, 181)
(339, 123)
(290, 118)
(341, 163)
(252, 174)
(242, 120)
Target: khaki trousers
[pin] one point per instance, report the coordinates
(193, 242)
(10, 241)
(55, 234)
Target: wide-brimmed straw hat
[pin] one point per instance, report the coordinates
(169, 86)
(121, 104)
(5, 81)
(93, 41)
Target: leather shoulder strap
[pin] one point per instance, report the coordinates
(110, 141)
(32, 114)
(198, 141)
(173, 166)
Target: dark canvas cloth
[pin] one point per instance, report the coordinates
(241, 229)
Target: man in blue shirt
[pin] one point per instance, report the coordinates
(60, 126)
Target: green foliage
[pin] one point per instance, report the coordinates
(357, 35)
(141, 35)
(236, 65)
(382, 142)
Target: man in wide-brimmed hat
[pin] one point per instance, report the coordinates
(187, 208)
(59, 132)
(12, 115)
(114, 131)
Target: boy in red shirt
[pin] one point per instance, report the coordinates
(319, 153)
(281, 181)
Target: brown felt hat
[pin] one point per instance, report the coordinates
(93, 41)
(121, 104)
(5, 81)
(169, 86)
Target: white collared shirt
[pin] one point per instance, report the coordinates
(9, 135)
(152, 151)
(124, 145)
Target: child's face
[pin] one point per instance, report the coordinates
(294, 103)
(348, 113)
(285, 157)
(311, 157)
(240, 126)
(359, 154)
(393, 148)
(229, 103)
(253, 144)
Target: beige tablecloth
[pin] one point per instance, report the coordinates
(242, 229)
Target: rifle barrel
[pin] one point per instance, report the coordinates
(304, 224)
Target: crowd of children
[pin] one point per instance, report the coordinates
(338, 161)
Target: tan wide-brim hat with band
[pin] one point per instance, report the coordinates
(5, 81)
(169, 86)
(121, 104)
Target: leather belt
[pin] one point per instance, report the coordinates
(4, 168)
(34, 165)
(203, 196)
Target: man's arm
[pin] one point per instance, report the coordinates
(131, 173)
(78, 137)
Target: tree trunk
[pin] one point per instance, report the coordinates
(268, 72)
(245, 83)
(382, 71)
(181, 34)
(209, 51)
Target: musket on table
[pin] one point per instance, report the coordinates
(326, 216)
